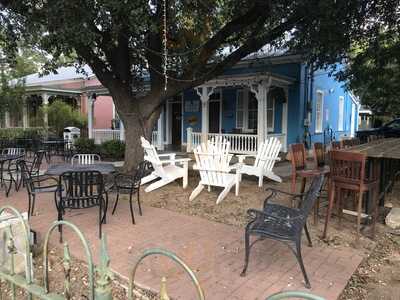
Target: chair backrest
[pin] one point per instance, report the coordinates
(81, 189)
(37, 161)
(140, 173)
(219, 144)
(85, 159)
(347, 143)
(212, 164)
(319, 154)
(26, 175)
(348, 166)
(150, 152)
(311, 197)
(13, 151)
(336, 145)
(267, 153)
(298, 156)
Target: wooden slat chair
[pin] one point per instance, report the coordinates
(13, 151)
(348, 172)
(264, 162)
(213, 166)
(85, 159)
(166, 171)
(336, 145)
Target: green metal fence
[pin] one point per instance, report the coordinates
(100, 277)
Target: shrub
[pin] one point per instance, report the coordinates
(61, 115)
(85, 145)
(28, 133)
(113, 149)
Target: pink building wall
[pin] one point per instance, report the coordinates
(103, 112)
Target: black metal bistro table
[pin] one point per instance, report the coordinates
(58, 169)
(6, 158)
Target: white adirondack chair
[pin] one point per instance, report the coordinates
(166, 170)
(264, 162)
(85, 159)
(212, 162)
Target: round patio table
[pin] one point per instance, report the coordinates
(58, 169)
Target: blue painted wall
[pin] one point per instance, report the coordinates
(299, 91)
(332, 90)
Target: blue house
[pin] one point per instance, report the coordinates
(259, 98)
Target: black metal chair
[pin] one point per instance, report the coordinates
(131, 185)
(35, 164)
(36, 185)
(282, 223)
(82, 189)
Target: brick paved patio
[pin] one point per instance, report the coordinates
(213, 250)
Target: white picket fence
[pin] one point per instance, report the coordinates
(240, 143)
(102, 135)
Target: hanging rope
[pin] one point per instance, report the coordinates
(165, 57)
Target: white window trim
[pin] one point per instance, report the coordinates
(320, 124)
(341, 114)
(272, 128)
(246, 94)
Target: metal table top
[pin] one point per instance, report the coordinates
(58, 169)
(383, 148)
(5, 157)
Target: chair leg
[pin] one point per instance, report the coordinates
(138, 202)
(33, 204)
(375, 210)
(131, 208)
(331, 201)
(105, 208)
(303, 185)
(100, 218)
(196, 192)
(60, 218)
(116, 202)
(359, 209)
(247, 252)
(307, 235)
(29, 205)
(340, 206)
(293, 186)
(300, 261)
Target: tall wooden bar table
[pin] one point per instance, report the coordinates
(384, 156)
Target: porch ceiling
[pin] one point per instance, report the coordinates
(249, 79)
(52, 91)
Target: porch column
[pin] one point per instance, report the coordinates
(45, 103)
(25, 123)
(285, 109)
(90, 101)
(261, 92)
(204, 93)
(7, 122)
(160, 131)
(121, 130)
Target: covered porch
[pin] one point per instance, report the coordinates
(255, 109)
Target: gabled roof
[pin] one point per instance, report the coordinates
(63, 74)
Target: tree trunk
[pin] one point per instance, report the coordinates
(135, 128)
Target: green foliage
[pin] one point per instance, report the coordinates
(85, 145)
(61, 115)
(374, 73)
(113, 149)
(15, 133)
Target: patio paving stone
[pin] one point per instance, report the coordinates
(213, 250)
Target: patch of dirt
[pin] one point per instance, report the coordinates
(79, 280)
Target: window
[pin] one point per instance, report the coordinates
(247, 111)
(341, 114)
(240, 109)
(319, 111)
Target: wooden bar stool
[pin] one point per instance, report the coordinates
(298, 159)
(348, 172)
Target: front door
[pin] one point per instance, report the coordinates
(214, 114)
(176, 133)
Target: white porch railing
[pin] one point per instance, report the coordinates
(102, 135)
(240, 143)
